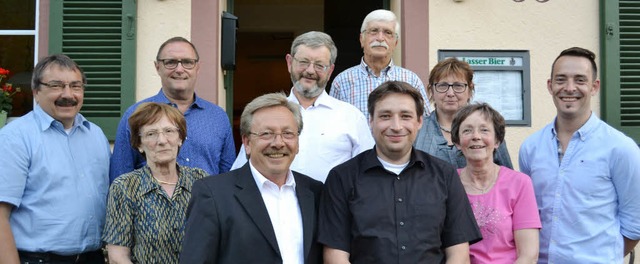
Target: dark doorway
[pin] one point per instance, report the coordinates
(266, 31)
(342, 21)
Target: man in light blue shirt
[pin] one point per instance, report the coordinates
(54, 174)
(209, 144)
(586, 174)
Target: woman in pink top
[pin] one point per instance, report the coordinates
(502, 199)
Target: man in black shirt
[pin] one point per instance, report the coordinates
(394, 204)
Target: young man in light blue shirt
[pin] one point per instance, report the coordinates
(586, 174)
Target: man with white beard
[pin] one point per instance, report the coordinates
(334, 131)
(379, 36)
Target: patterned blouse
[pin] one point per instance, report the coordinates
(142, 217)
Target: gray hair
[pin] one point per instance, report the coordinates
(381, 15)
(265, 101)
(61, 60)
(314, 40)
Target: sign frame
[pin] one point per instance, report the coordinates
(495, 61)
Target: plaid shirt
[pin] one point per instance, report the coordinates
(354, 85)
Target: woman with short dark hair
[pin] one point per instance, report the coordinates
(146, 207)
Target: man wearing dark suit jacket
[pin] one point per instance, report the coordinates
(262, 212)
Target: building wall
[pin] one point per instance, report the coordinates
(157, 22)
(544, 29)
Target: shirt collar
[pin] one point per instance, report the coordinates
(323, 99)
(46, 121)
(365, 68)
(371, 160)
(197, 103)
(584, 131)
(431, 124)
(261, 180)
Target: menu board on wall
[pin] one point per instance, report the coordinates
(501, 79)
(502, 90)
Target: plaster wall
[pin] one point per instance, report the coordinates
(157, 21)
(544, 29)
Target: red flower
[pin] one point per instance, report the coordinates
(7, 88)
(4, 72)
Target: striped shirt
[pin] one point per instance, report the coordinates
(354, 85)
(143, 218)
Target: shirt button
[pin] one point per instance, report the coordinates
(399, 200)
(187, 159)
(401, 223)
(403, 247)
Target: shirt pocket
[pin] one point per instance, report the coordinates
(334, 146)
(592, 180)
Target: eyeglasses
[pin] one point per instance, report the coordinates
(304, 64)
(269, 135)
(444, 87)
(58, 86)
(173, 63)
(152, 135)
(375, 31)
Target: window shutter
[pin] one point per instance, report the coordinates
(620, 65)
(100, 37)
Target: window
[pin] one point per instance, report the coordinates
(100, 37)
(620, 66)
(18, 50)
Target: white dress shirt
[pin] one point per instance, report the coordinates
(333, 132)
(284, 212)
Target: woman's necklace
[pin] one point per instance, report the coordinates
(165, 182)
(445, 130)
(485, 189)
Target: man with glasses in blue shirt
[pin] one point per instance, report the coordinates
(379, 36)
(209, 144)
(54, 174)
(585, 173)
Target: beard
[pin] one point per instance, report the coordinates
(311, 92)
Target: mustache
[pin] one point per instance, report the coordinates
(66, 102)
(310, 76)
(379, 44)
